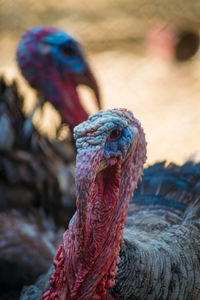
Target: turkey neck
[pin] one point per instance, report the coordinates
(89, 254)
(102, 207)
(62, 93)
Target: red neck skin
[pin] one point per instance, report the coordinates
(63, 95)
(70, 108)
(86, 262)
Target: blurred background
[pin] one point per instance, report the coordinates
(145, 55)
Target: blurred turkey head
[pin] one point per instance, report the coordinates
(53, 63)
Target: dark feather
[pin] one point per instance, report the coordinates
(33, 205)
(161, 236)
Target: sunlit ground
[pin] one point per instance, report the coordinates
(164, 96)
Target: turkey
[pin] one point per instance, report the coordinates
(35, 204)
(113, 249)
(53, 63)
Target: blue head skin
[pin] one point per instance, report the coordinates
(53, 63)
(107, 128)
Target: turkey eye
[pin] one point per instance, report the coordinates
(69, 51)
(115, 134)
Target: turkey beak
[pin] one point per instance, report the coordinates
(87, 78)
(87, 166)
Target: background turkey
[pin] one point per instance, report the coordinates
(157, 257)
(34, 200)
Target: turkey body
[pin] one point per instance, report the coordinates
(30, 163)
(32, 201)
(159, 255)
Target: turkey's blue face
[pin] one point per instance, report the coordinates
(112, 132)
(48, 47)
(67, 56)
(53, 63)
(119, 141)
